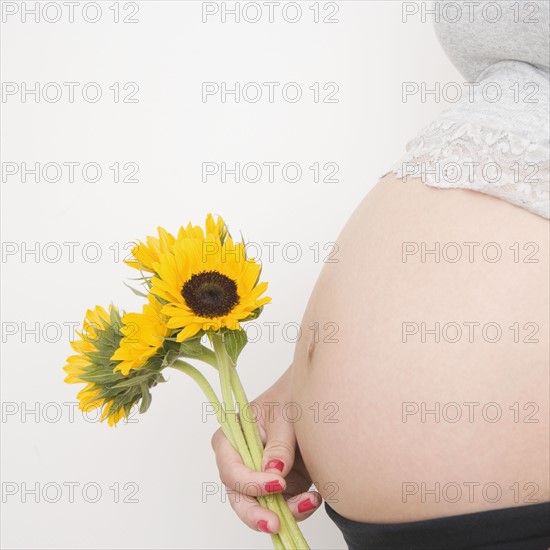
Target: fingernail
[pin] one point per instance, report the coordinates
(306, 505)
(275, 463)
(273, 486)
(262, 526)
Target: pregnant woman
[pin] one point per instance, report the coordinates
(429, 427)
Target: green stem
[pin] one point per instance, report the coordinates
(249, 424)
(208, 356)
(224, 368)
(228, 404)
(276, 539)
(255, 444)
(300, 542)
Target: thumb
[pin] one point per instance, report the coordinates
(280, 445)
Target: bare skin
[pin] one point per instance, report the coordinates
(369, 453)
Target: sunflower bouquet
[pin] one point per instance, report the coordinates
(198, 286)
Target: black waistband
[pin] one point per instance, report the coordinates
(518, 528)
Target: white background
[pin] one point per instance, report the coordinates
(169, 133)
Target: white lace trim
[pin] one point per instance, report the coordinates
(450, 154)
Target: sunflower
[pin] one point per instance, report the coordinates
(217, 228)
(208, 284)
(96, 322)
(146, 254)
(144, 334)
(89, 402)
(92, 365)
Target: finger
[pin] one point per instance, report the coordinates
(296, 484)
(238, 477)
(280, 446)
(303, 505)
(252, 514)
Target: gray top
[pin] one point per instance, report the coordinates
(488, 32)
(496, 138)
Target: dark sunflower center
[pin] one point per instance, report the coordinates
(210, 294)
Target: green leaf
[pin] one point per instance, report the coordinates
(145, 399)
(142, 278)
(135, 290)
(114, 318)
(133, 381)
(99, 378)
(170, 357)
(154, 364)
(234, 341)
(170, 344)
(192, 347)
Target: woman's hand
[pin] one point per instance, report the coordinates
(282, 467)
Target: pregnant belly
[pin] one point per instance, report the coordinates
(431, 397)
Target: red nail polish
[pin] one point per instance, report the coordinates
(273, 486)
(262, 526)
(275, 463)
(306, 505)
